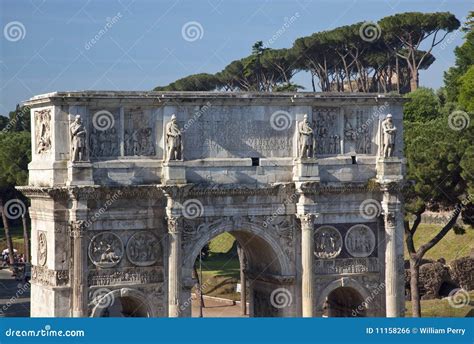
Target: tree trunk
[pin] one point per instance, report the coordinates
(414, 79)
(415, 293)
(26, 239)
(7, 234)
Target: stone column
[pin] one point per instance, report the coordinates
(174, 267)
(79, 270)
(307, 251)
(394, 277)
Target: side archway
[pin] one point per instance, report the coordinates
(350, 296)
(132, 302)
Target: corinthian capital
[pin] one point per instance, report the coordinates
(174, 224)
(307, 220)
(77, 228)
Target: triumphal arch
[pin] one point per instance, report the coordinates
(127, 187)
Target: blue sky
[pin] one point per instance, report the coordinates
(46, 45)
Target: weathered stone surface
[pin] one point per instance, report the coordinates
(145, 179)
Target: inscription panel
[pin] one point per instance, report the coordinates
(238, 132)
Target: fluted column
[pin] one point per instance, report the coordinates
(174, 267)
(307, 278)
(79, 276)
(394, 277)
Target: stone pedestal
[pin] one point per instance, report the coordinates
(389, 169)
(173, 172)
(79, 173)
(305, 170)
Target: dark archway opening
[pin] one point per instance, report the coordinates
(126, 307)
(345, 302)
(219, 274)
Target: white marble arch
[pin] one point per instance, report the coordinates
(346, 282)
(259, 237)
(134, 294)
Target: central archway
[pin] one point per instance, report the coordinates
(268, 269)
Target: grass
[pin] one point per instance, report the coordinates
(451, 247)
(442, 308)
(17, 237)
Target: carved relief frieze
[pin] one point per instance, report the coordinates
(346, 266)
(142, 275)
(360, 241)
(44, 276)
(327, 242)
(143, 249)
(328, 139)
(42, 248)
(43, 131)
(106, 249)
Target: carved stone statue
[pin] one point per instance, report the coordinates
(305, 139)
(389, 132)
(78, 140)
(174, 143)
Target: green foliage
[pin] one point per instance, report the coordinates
(15, 154)
(438, 161)
(340, 60)
(195, 82)
(464, 60)
(466, 90)
(423, 105)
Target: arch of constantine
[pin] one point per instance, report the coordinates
(127, 187)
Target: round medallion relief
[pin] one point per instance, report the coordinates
(143, 249)
(360, 241)
(327, 242)
(42, 249)
(106, 249)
